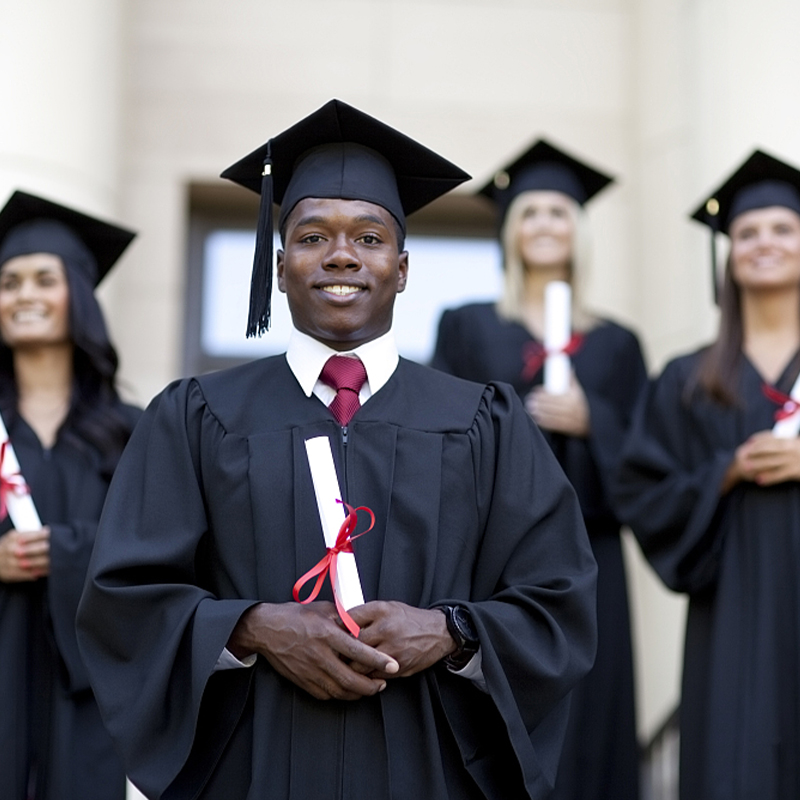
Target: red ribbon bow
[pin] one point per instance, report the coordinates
(9, 483)
(788, 405)
(534, 354)
(327, 564)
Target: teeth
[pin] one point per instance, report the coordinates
(342, 291)
(28, 316)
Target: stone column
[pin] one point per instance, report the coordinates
(60, 66)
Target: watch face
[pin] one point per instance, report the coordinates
(463, 621)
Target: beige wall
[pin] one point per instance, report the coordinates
(61, 89)
(115, 105)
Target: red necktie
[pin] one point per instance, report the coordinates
(347, 376)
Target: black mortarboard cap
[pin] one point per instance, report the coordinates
(545, 167)
(761, 181)
(338, 151)
(31, 224)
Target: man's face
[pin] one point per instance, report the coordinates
(341, 270)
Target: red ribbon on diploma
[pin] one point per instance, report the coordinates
(788, 405)
(534, 355)
(9, 483)
(344, 544)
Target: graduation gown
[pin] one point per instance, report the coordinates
(738, 559)
(212, 509)
(600, 757)
(53, 745)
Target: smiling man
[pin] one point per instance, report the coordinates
(478, 577)
(341, 270)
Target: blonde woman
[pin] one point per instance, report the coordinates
(540, 198)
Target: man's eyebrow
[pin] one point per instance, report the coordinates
(371, 218)
(311, 220)
(315, 219)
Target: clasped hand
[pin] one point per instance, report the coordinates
(766, 460)
(24, 555)
(561, 413)
(309, 646)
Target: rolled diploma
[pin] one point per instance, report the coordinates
(21, 508)
(557, 331)
(332, 515)
(789, 427)
(132, 793)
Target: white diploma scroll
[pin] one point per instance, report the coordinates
(20, 505)
(789, 427)
(132, 793)
(332, 515)
(557, 333)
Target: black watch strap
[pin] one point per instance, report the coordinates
(461, 628)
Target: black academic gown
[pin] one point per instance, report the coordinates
(600, 756)
(212, 509)
(738, 559)
(53, 745)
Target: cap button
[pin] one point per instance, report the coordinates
(712, 206)
(502, 180)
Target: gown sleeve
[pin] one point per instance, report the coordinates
(533, 598)
(611, 405)
(149, 679)
(72, 538)
(70, 550)
(448, 349)
(668, 486)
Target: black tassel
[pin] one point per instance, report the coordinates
(714, 277)
(261, 283)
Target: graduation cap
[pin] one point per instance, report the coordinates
(545, 167)
(336, 152)
(31, 224)
(760, 182)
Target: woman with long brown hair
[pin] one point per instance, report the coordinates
(710, 484)
(68, 427)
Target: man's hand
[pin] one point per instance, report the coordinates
(766, 460)
(561, 413)
(24, 555)
(416, 638)
(308, 645)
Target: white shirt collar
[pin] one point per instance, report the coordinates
(307, 357)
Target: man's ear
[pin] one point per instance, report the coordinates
(403, 276)
(280, 264)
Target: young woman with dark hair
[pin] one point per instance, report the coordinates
(68, 427)
(712, 491)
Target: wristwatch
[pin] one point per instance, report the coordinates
(460, 627)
